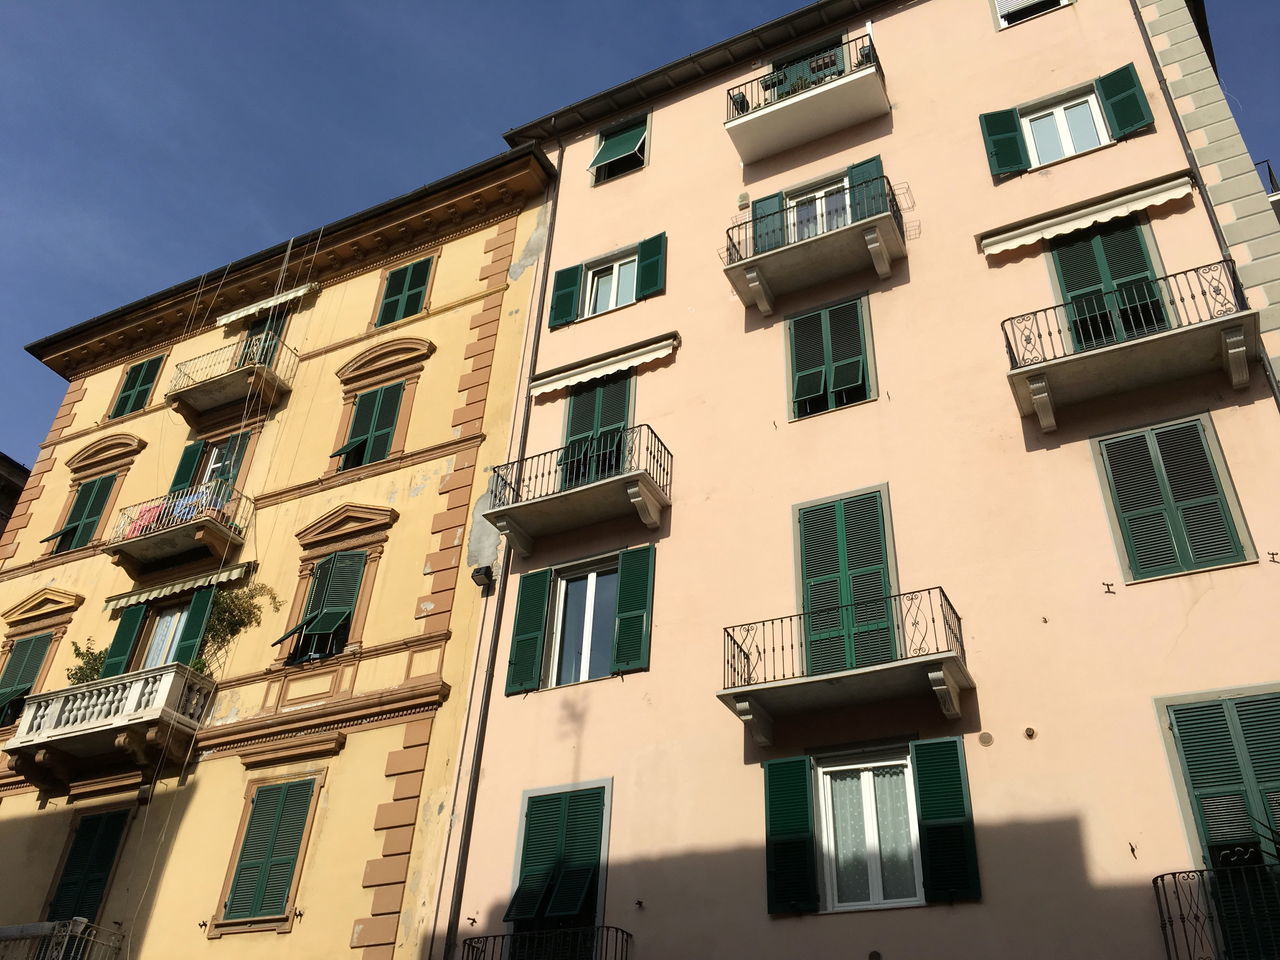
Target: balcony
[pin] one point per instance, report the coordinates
(258, 370)
(811, 241)
(903, 645)
(1232, 913)
(1151, 331)
(60, 940)
(134, 721)
(201, 522)
(621, 473)
(799, 102)
(580, 943)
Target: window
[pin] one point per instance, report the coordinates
(21, 670)
(582, 622)
(587, 289)
(373, 426)
(263, 878)
(405, 293)
(1015, 11)
(325, 626)
(151, 635)
(596, 421)
(86, 511)
(1168, 500)
(82, 884)
(783, 218)
(205, 461)
(874, 830)
(1113, 107)
(135, 391)
(559, 862)
(829, 366)
(621, 150)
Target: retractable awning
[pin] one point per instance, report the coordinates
(605, 364)
(253, 309)
(169, 589)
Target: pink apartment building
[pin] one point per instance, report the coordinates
(890, 525)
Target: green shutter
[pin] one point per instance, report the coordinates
(566, 292)
(948, 851)
(579, 864)
(188, 646)
(21, 670)
(136, 389)
(1216, 776)
(261, 340)
(1107, 283)
(620, 143)
(790, 841)
(315, 598)
(1200, 508)
(868, 194)
(84, 515)
(188, 463)
(1141, 508)
(269, 851)
(326, 622)
(808, 360)
(405, 292)
(384, 423)
(1259, 719)
(1123, 102)
(1002, 135)
(598, 413)
(651, 267)
(768, 227)
(867, 561)
(528, 636)
(83, 882)
(539, 855)
(633, 622)
(828, 359)
(127, 632)
(372, 425)
(821, 569)
(848, 352)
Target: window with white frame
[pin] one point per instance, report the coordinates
(1064, 129)
(1015, 11)
(586, 610)
(869, 837)
(611, 285)
(819, 209)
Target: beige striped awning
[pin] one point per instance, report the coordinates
(253, 309)
(169, 589)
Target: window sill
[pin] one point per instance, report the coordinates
(1043, 13)
(868, 907)
(1083, 153)
(1247, 562)
(600, 183)
(602, 313)
(823, 413)
(420, 315)
(279, 924)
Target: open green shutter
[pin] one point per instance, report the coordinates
(768, 229)
(1123, 102)
(188, 646)
(848, 357)
(1146, 523)
(580, 418)
(188, 463)
(948, 851)
(633, 622)
(82, 884)
(821, 571)
(354, 452)
(808, 360)
(651, 267)
(342, 588)
(1215, 777)
(868, 194)
(539, 854)
(84, 515)
(1002, 135)
(320, 574)
(20, 672)
(524, 671)
(790, 841)
(620, 143)
(580, 854)
(1199, 506)
(384, 423)
(566, 292)
(127, 632)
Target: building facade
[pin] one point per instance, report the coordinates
(891, 528)
(231, 597)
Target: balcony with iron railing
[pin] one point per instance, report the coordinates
(619, 473)
(578, 943)
(1229, 913)
(808, 97)
(205, 521)
(900, 646)
(1145, 332)
(76, 939)
(813, 240)
(135, 720)
(259, 369)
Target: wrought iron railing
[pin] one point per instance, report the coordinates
(611, 454)
(804, 73)
(1135, 310)
(810, 217)
(579, 943)
(1268, 175)
(76, 939)
(216, 500)
(1232, 913)
(264, 350)
(825, 640)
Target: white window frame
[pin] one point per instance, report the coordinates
(817, 192)
(216, 455)
(180, 612)
(552, 677)
(1005, 24)
(593, 272)
(1058, 110)
(826, 833)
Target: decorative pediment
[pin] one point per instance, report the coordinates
(388, 361)
(113, 452)
(350, 525)
(41, 605)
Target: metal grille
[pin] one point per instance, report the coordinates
(264, 350)
(217, 500)
(800, 75)
(1228, 914)
(581, 943)
(63, 940)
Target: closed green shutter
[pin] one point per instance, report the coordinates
(790, 841)
(83, 882)
(136, 389)
(373, 425)
(20, 672)
(539, 855)
(528, 637)
(948, 850)
(868, 193)
(405, 292)
(1108, 284)
(566, 292)
(1006, 149)
(188, 646)
(188, 463)
(828, 359)
(579, 864)
(594, 441)
(768, 226)
(85, 513)
(269, 851)
(1123, 102)
(1217, 778)
(127, 632)
(1201, 509)
(808, 362)
(651, 267)
(821, 568)
(634, 619)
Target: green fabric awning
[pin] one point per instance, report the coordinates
(620, 144)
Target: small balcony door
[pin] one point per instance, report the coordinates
(595, 431)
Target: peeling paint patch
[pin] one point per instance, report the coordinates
(533, 247)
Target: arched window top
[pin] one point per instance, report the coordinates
(107, 454)
(392, 360)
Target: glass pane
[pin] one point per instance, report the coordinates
(897, 864)
(604, 612)
(626, 282)
(806, 218)
(571, 627)
(853, 885)
(167, 628)
(836, 205)
(1044, 130)
(602, 290)
(1084, 132)
(217, 454)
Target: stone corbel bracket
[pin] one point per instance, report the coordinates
(1235, 356)
(758, 721)
(879, 254)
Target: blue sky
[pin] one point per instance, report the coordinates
(147, 141)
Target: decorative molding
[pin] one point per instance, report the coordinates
(758, 287)
(90, 549)
(879, 253)
(385, 362)
(52, 441)
(312, 746)
(644, 496)
(1042, 403)
(1235, 356)
(349, 526)
(757, 720)
(46, 606)
(947, 691)
(103, 456)
(383, 649)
